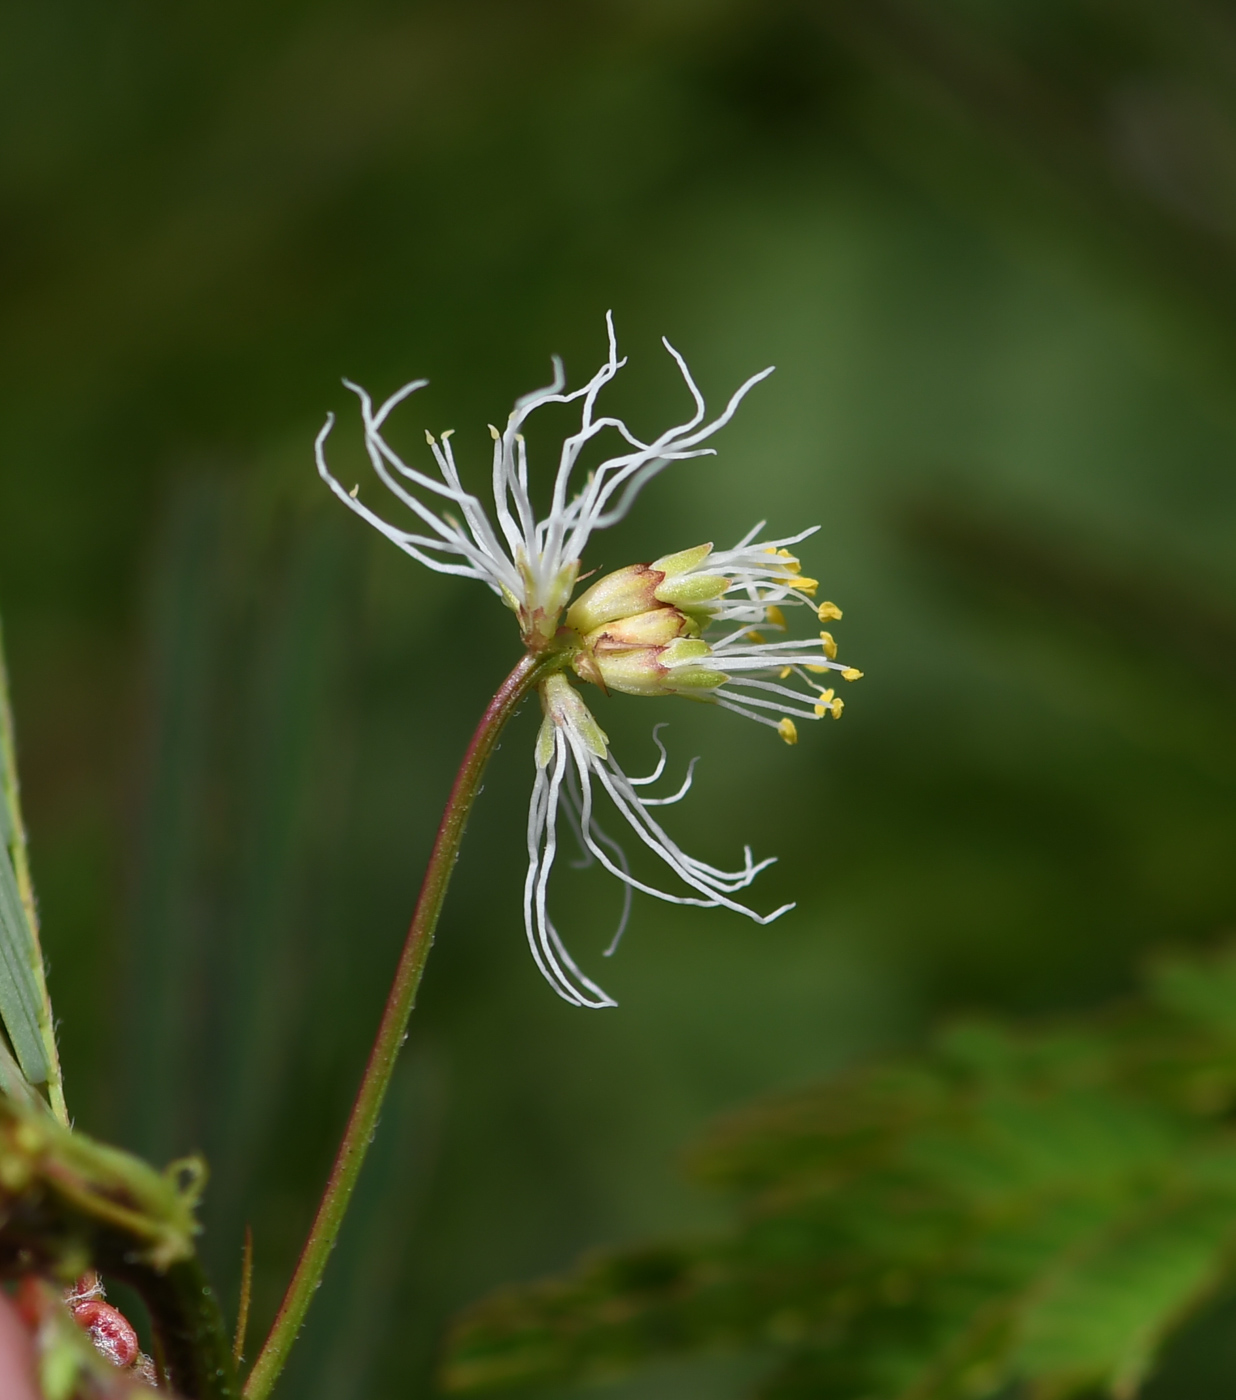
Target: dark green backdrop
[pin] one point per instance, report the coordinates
(990, 249)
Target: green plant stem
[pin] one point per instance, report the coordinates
(364, 1117)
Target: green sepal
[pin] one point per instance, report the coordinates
(693, 588)
(545, 743)
(563, 702)
(696, 678)
(684, 560)
(686, 649)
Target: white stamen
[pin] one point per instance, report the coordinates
(525, 560)
(533, 564)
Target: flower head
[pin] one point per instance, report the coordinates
(690, 624)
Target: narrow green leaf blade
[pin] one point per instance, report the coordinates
(19, 993)
(24, 1005)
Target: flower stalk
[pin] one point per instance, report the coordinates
(363, 1121)
(683, 625)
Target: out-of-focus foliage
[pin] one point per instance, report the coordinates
(989, 247)
(1035, 1208)
(69, 1206)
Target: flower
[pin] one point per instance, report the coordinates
(686, 624)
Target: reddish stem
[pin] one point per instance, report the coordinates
(391, 1029)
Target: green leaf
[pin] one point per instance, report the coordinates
(24, 1005)
(1036, 1209)
(19, 991)
(1103, 1316)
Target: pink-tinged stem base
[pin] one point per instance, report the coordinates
(364, 1116)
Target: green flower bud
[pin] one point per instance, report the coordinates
(621, 594)
(651, 670)
(639, 588)
(654, 628)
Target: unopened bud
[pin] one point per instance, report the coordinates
(657, 627)
(669, 581)
(623, 593)
(670, 669)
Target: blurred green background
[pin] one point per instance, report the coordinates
(992, 250)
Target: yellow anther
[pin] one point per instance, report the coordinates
(821, 710)
(837, 706)
(776, 618)
(428, 437)
(829, 612)
(788, 731)
(791, 564)
(354, 491)
(807, 586)
(785, 671)
(830, 646)
(755, 637)
(447, 434)
(818, 670)
(826, 696)
(494, 433)
(853, 674)
(519, 437)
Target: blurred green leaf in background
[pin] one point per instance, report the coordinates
(1030, 1213)
(991, 249)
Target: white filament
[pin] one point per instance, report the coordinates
(523, 558)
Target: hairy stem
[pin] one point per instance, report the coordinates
(364, 1117)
